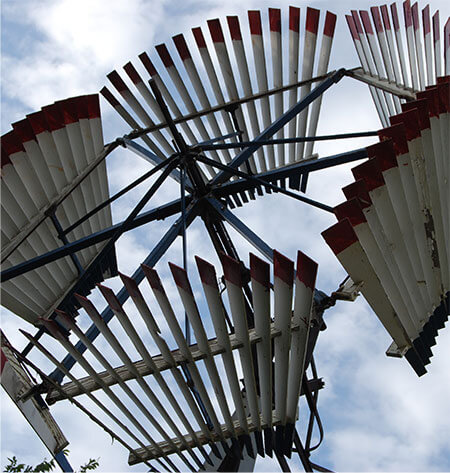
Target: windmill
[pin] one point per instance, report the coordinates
(189, 140)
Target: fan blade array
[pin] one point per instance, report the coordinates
(389, 60)
(216, 97)
(393, 230)
(41, 157)
(252, 410)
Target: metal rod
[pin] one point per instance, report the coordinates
(220, 138)
(279, 123)
(292, 170)
(42, 215)
(39, 261)
(150, 157)
(56, 386)
(303, 455)
(218, 108)
(137, 276)
(111, 199)
(243, 144)
(169, 121)
(187, 327)
(63, 238)
(236, 172)
(173, 207)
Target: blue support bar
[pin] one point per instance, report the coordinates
(294, 170)
(253, 238)
(154, 159)
(62, 461)
(241, 228)
(278, 124)
(156, 254)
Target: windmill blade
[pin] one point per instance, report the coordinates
(411, 64)
(166, 308)
(233, 281)
(288, 334)
(305, 280)
(260, 277)
(216, 310)
(41, 157)
(242, 101)
(399, 195)
(345, 245)
(187, 298)
(53, 328)
(283, 281)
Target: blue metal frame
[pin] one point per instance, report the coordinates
(62, 461)
(153, 257)
(278, 124)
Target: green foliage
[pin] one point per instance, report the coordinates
(14, 467)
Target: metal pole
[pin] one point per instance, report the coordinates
(137, 276)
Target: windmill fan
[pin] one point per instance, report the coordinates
(232, 115)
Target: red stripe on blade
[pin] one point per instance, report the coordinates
(109, 97)
(407, 13)
(182, 47)
(117, 81)
(340, 236)
(366, 21)
(54, 115)
(358, 189)
(4, 157)
(377, 19)
(371, 173)
(110, 297)
(164, 54)
(68, 112)
(436, 31)
(24, 130)
(351, 209)
(398, 135)
(384, 153)
(254, 20)
(199, 38)
(259, 270)
(312, 20)
(306, 270)
(415, 16)
(275, 19)
(11, 143)
(357, 21)
(395, 20)
(93, 104)
(132, 73)
(130, 285)
(294, 19)
(352, 27)
(207, 272)
(150, 68)
(231, 269)
(426, 20)
(330, 24)
(216, 31)
(385, 16)
(283, 268)
(411, 121)
(153, 277)
(233, 26)
(38, 122)
(180, 277)
(422, 109)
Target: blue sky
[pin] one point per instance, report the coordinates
(377, 415)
